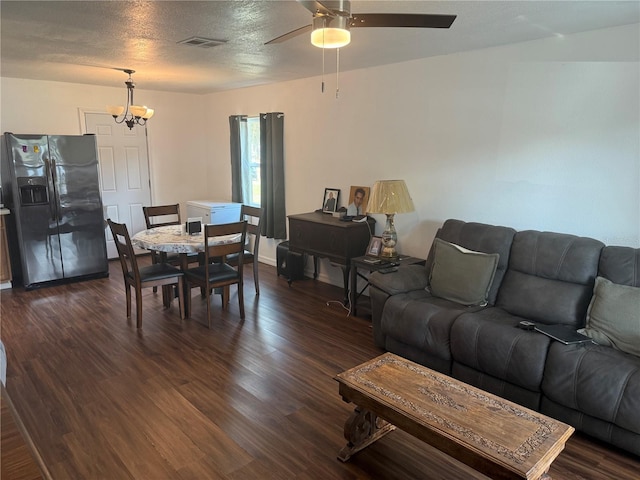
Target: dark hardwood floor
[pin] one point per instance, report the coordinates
(245, 400)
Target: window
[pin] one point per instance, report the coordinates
(251, 172)
(257, 167)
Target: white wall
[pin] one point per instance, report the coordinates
(540, 135)
(176, 134)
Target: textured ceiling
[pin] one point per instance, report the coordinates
(81, 41)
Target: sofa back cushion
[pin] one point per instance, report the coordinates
(550, 277)
(480, 238)
(621, 265)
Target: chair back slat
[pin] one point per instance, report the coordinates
(221, 250)
(162, 215)
(226, 249)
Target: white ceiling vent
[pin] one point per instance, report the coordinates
(202, 42)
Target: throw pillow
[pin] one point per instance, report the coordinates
(461, 275)
(613, 317)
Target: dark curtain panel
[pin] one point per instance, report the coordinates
(238, 129)
(274, 217)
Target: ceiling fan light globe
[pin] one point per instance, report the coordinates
(330, 31)
(330, 37)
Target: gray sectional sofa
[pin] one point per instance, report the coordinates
(433, 315)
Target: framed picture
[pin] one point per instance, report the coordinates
(330, 200)
(358, 198)
(375, 246)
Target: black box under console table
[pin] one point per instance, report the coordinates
(326, 236)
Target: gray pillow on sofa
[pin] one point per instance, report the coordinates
(613, 317)
(460, 275)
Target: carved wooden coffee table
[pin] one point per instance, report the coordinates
(498, 438)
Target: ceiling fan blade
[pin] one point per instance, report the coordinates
(401, 20)
(291, 34)
(125, 70)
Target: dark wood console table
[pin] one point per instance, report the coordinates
(325, 236)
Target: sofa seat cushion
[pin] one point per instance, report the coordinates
(596, 380)
(490, 342)
(409, 277)
(420, 320)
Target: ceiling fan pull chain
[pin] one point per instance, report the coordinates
(322, 70)
(323, 49)
(337, 72)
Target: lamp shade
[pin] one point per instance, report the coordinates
(390, 197)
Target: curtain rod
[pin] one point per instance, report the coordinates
(237, 117)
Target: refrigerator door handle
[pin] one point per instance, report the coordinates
(53, 170)
(54, 201)
(50, 169)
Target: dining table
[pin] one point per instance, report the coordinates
(175, 239)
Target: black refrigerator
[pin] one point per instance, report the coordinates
(56, 226)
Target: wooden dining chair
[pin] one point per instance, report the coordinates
(154, 275)
(160, 216)
(253, 216)
(219, 274)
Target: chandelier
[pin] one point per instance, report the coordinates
(131, 114)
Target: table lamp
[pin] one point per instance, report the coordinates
(390, 197)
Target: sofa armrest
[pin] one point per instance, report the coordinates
(406, 279)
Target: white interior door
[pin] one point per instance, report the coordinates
(124, 172)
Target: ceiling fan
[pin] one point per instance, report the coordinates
(332, 20)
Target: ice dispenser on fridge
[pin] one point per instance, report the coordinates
(33, 190)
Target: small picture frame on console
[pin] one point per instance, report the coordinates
(375, 247)
(330, 200)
